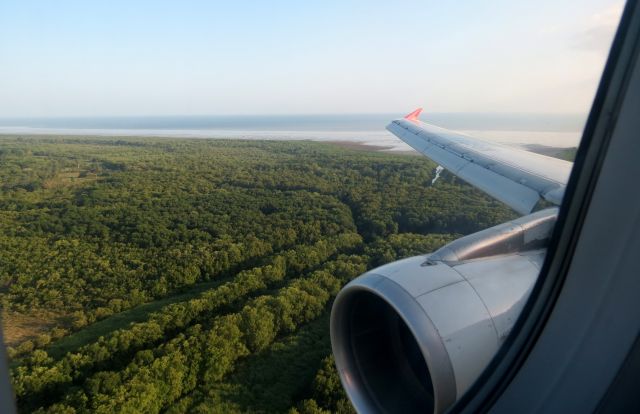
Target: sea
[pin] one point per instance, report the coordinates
(520, 130)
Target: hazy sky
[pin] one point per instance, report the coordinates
(278, 57)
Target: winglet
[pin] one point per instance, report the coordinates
(413, 116)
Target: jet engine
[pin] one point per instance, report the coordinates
(413, 335)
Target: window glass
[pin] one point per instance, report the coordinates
(186, 188)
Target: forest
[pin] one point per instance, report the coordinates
(196, 276)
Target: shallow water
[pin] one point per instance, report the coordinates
(510, 129)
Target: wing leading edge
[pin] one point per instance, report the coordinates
(517, 178)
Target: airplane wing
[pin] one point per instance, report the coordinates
(518, 178)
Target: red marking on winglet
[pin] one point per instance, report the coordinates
(413, 116)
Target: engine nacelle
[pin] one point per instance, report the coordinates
(413, 335)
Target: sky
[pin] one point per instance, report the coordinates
(114, 58)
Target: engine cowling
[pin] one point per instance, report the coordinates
(413, 335)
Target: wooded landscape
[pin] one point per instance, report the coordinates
(178, 275)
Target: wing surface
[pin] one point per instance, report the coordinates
(516, 177)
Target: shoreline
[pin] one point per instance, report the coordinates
(364, 146)
(360, 144)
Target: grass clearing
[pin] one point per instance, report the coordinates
(69, 179)
(18, 327)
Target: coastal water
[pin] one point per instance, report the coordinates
(511, 129)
